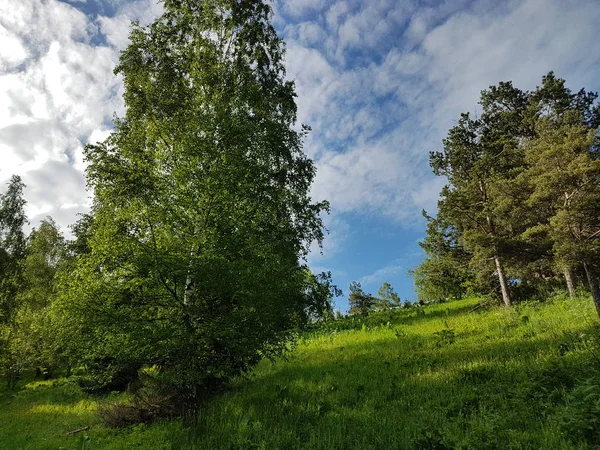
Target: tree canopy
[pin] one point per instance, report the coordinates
(192, 262)
(521, 202)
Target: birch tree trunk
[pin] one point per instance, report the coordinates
(503, 284)
(570, 283)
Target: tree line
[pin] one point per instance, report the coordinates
(363, 303)
(190, 267)
(521, 208)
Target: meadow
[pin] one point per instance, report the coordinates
(456, 375)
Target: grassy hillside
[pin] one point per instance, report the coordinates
(448, 376)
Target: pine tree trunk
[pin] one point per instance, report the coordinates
(570, 284)
(503, 284)
(593, 282)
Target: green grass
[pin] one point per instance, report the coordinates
(454, 377)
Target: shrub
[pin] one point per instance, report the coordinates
(579, 418)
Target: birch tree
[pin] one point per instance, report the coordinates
(201, 212)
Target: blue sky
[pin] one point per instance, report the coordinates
(379, 82)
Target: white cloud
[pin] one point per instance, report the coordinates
(362, 179)
(40, 23)
(298, 8)
(143, 11)
(335, 14)
(58, 92)
(116, 30)
(306, 33)
(12, 51)
(417, 68)
(55, 189)
(384, 273)
(370, 25)
(375, 124)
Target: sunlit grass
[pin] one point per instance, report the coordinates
(456, 376)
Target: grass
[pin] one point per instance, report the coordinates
(449, 376)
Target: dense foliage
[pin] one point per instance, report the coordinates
(445, 376)
(201, 212)
(189, 268)
(521, 205)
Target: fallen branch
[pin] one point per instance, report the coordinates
(79, 430)
(476, 307)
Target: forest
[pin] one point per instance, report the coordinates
(521, 209)
(182, 312)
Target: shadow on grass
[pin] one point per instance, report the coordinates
(473, 394)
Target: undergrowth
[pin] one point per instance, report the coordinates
(444, 376)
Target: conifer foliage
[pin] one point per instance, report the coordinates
(522, 201)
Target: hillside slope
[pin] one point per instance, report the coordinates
(449, 376)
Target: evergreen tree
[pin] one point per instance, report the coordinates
(476, 162)
(359, 301)
(564, 177)
(387, 297)
(490, 193)
(445, 272)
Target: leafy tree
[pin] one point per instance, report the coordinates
(201, 212)
(437, 278)
(46, 250)
(320, 292)
(12, 245)
(82, 232)
(12, 252)
(30, 342)
(37, 344)
(359, 301)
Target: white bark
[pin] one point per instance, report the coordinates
(503, 284)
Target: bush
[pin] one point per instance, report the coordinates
(579, 418)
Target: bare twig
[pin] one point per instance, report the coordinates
(79, 430)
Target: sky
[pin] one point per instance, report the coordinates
(380, 82)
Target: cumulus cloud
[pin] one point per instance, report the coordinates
(384, 273)
(12, 51)
(58, 93)
(376, 119)
(115, 30)
(379, 82)
(298, 8)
